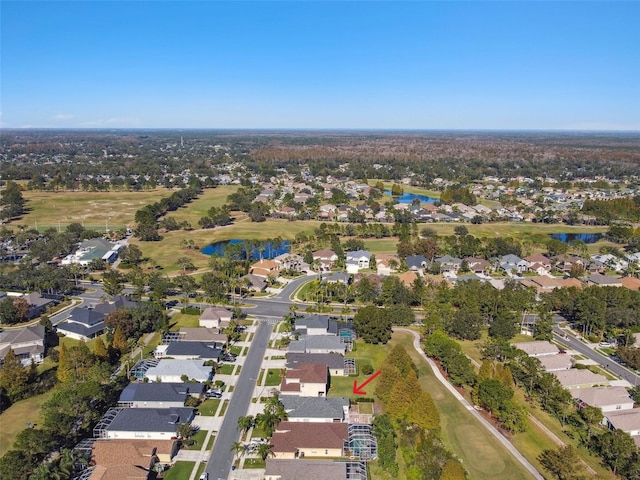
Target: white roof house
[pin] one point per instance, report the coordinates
(172, 371)
(608, 399)
(215, 317)
(538, 348)
(625, 420)
(553, 363)
(576, 378)
(357, 260)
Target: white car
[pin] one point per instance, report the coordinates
(204, 476)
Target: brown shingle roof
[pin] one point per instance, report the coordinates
(309, 373)
(290, 436)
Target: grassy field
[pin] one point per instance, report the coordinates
(210, 197)
(166, 252)
(179, 320)
(97, 210)
(461, 432)
(14, 419)
(198, 438)
(273, 377)
(364, 353)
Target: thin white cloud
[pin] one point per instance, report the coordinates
(63, 116)
(114, 121)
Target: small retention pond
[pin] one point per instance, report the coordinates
(269, 249)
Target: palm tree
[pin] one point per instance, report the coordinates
(265, 450)
(238, 450)
(245, 423)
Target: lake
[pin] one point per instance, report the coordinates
(269, 251)
(409, 197)
(570, 237)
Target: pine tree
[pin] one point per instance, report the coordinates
(119, 340)
(100, 349)
(63, 364)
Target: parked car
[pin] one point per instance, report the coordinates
(228, 358)
(213, 393)
(204, 476)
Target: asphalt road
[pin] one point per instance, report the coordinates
(574, 344)
(219, 465)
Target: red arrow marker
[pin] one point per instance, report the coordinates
(358, 389)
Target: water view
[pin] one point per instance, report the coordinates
(409, 197)
(570, 237)
(269, 249)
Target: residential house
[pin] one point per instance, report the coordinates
(215, 318)
(118, 302)
(158, 395)
(554, 363)
(607, 399)
(297, 440)
(291, 261)
(538, 348)
(318, 344)
(265, 268)
(315, 409)
(544, 284)
(255, 283)
(334, 361)
(82, 324)
(599, 280)
(336, 277)
(143, 423)
(325, 257)
(27, 343)
(408, 278)
(417, 263)
(387, 263)
(539, 264)
(38, 304)
(576, 378)
(632, 283)
(626, 420)
(513, 264)
(565, 262)
(479, 266)
(312, 325)
(188, 351)
(308, 380)
(173, 371)
(448, 264)
(202, 334)
(357, 260)
(129, 459)
(278, 469)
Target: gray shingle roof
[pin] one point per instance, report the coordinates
(159, 392)
(331, 360)
(314, 321)
(196, 349)
(315, 407)
(297, 469)
(150, 419)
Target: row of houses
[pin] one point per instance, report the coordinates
(318, 426)
(588, 388)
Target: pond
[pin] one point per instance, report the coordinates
(408, 198)
(269, 249)
(570, 237)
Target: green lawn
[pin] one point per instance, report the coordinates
(273, 377)
(461, 432)
(209, 407)
(14, 419)
(179, 471)
(253, 463)
(372, 354)
(226, 369)
(198, 438)
(224, 408)
(97, 210)
(179, 320)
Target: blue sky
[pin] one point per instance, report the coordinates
(369, 65)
